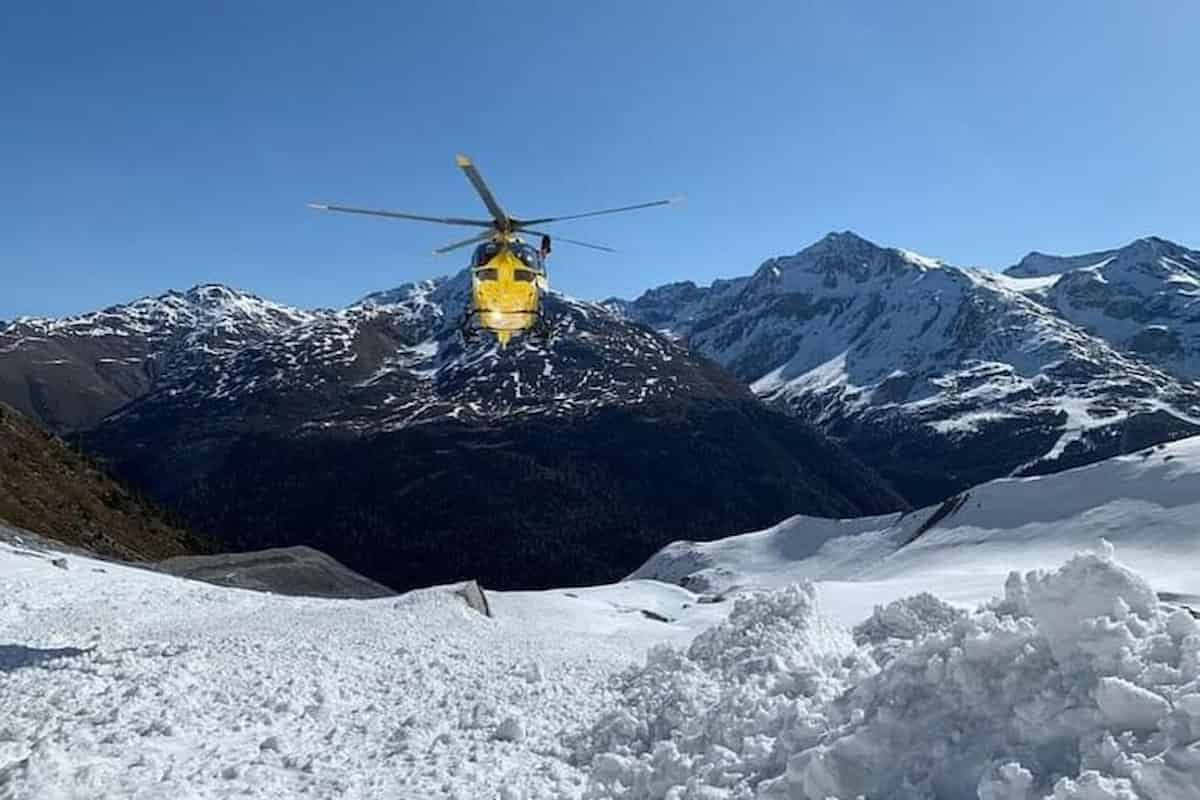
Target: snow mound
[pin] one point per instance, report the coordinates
(899, 623)
(730, 708)
(1075, 683)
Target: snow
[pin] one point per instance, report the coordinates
(1147, 504)
(1025, 697)
(1037, 265)
(918, 260)
(1127, 706)
(119, 682)
(1028, 284)
(960, 651)
(969, 421)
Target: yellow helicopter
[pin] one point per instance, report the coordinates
(508, 276)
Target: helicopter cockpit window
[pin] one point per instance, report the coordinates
(527, 255)
(485, 253)
(489, 274)
(523, 275)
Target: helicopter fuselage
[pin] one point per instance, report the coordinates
(507, 280)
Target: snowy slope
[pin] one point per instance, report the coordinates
(1075, 684)
(119, 682)
(939, 376)
(1147, 504)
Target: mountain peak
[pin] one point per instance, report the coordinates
(1148, 248)
(843, 240)
(216, 295)
(1151, 247)
(841, 254)
(849, 243)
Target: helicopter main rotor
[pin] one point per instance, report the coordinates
(501, 225)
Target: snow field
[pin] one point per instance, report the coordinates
(115, 682)
(125, 683)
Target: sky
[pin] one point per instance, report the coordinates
(145, 147)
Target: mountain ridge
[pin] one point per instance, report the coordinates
(934, 376)
(899, 355)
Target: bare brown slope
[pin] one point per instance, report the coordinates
(47, 488)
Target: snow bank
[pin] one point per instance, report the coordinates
(1075, 684)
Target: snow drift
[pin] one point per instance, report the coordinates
(1075, 683)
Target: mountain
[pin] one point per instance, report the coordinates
(355, 428)
(47, 488)
(374, 434)
(1144, 299)
(69, 373)
(940, 377)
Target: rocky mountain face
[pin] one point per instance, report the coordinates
(378, 435)
(943, 377)
(49, 489)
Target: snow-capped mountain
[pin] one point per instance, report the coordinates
(71, 372)
(1143, 299)
(938, 376)
(393, 359)
(396, 359)
(376, 434)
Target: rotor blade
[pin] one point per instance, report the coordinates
(485, 193)
(483, 237)
(544, 220)
(473, 223)
(568, 241)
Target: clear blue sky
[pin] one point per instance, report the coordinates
(148, 146)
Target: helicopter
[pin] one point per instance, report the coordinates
(508, 275)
